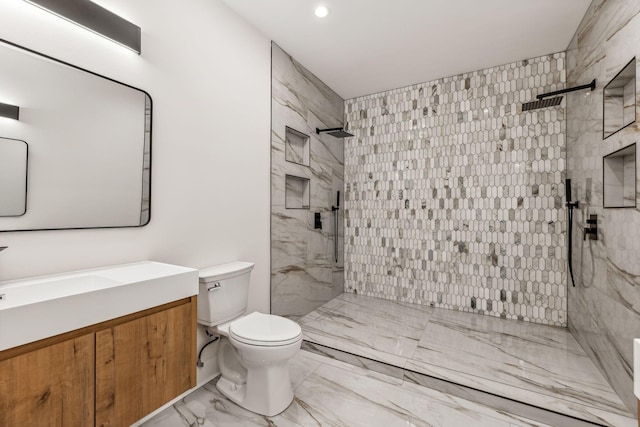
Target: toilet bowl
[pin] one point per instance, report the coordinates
(254, 361)
(255, 348)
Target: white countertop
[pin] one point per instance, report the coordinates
(40, 307)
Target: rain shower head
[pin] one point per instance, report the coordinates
(335, 132)
(542, 103)
(556, 100)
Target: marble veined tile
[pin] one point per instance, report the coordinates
(367, 326)
(301, 366)
(364, 363)
(548, 402)
(338, 394)
(333, 396)
(501, 404)
(539, 364)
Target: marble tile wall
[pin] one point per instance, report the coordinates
(304, 273)
(604, 307)
(454, 196)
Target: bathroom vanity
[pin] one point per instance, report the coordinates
(136, 353)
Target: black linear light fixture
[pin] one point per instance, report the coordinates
(96, 19)
(9, 111)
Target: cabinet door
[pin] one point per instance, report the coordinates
(52, 386)
(143, 364)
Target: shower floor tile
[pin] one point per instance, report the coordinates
(539, 365)
(384, 330)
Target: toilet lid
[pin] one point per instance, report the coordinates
(265, 330)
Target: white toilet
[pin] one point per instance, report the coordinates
(255, 348)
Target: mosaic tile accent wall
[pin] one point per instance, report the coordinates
(604, 307)
(304, 271)
(454, 196)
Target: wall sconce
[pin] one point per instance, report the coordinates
(96, 19)
(9, 111)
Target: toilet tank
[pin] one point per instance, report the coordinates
(224, 292)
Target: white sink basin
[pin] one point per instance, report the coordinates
(40, 307)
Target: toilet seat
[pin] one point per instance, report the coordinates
(265, 330)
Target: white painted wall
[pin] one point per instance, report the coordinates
(209, 75)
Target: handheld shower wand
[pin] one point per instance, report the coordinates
(570, 205)
(335, 210)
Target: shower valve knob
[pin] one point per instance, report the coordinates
(591, 229)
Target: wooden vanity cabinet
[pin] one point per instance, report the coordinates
(141, 365)
(110, 374)
(51, 386)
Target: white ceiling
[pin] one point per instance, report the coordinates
(367, 46)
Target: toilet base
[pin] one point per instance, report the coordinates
(231, 390)
(238, 395)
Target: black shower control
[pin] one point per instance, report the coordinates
(317, 223)
(591, 229)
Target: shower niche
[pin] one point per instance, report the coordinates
(619, 100)
(297, 192)
(296, 147)
(619, 177)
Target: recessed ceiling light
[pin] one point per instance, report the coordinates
(321, 11)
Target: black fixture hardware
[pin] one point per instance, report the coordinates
(567, 192)
(317, 221)
(551, 102)
(591, 229)
(591, 86)
(337, 206)
(9, 111)
(542, 103)
(336, 132)
(335, 210)
(2, 248)
(95, 18)
(570, 206)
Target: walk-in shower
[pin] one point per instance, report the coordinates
(337, 133)
(551, 99)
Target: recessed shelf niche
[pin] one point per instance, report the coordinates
(619, 100)
(296, 192)
(296, 147)
(619, 177)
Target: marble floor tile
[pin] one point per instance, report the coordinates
(371, 365)
(535, 364)
(533, 359)
(425, 374)
(522, 410)
(338, 394)
(333, 396)
(367, 325)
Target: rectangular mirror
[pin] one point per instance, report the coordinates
(619, 100)
(13, 177)
(89, 144)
